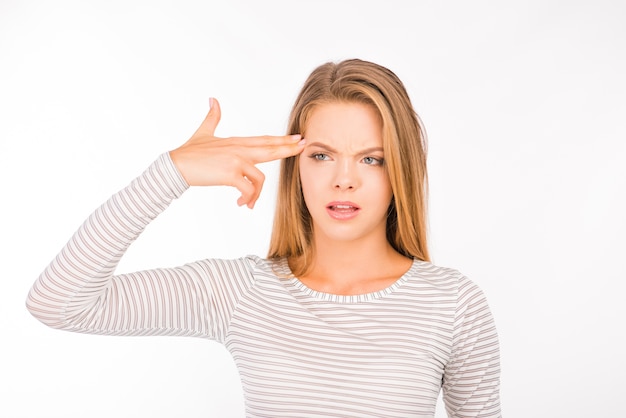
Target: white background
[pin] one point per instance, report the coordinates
(524, 103)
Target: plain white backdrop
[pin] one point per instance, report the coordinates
(524, 104)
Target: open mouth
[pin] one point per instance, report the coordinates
(343, 208)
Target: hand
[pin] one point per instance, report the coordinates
(206, 160)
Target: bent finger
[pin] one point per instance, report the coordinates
(247, 190)
(256, 178)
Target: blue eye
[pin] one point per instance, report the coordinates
(373, 161)
(320, 157)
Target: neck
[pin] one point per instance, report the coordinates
(345, 255)
(353, 267)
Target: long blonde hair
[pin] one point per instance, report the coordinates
(404, 147)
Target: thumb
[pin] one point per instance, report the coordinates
(212, 119)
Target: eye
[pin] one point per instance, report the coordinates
(373, 161)
(318, 156)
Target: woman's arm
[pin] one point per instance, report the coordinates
(471, 383)
(78, 290)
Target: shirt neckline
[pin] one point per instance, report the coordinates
(300, 289)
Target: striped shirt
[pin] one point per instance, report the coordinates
(299, 352)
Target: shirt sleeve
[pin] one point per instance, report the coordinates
(79, 292)
(471, 382)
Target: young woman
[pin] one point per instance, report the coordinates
(345, 317)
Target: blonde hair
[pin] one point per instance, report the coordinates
(404, 147)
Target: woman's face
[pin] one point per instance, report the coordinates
(344, 182)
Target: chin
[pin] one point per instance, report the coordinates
(347, 233)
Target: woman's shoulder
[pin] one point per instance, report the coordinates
(435, 273)
(440, 276)
(248, 265)
(267, 267)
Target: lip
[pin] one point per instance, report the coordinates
(342, 211)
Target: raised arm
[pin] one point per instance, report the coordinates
(78, 291)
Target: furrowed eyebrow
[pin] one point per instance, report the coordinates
(323, 146)
(371, 150)
(331, 149)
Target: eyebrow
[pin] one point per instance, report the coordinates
(331, 149)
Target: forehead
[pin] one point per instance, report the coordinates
(338, 123)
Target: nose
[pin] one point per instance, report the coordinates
(346, 176)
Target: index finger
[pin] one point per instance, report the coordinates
(269, 148)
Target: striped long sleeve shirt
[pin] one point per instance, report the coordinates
(299, 352)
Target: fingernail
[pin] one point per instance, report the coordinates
(302, 142)
(296, 137)
(210, 102)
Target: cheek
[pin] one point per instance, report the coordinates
(379, 183)
(312, 175)
(384, 193)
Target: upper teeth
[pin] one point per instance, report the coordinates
(343, 206)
